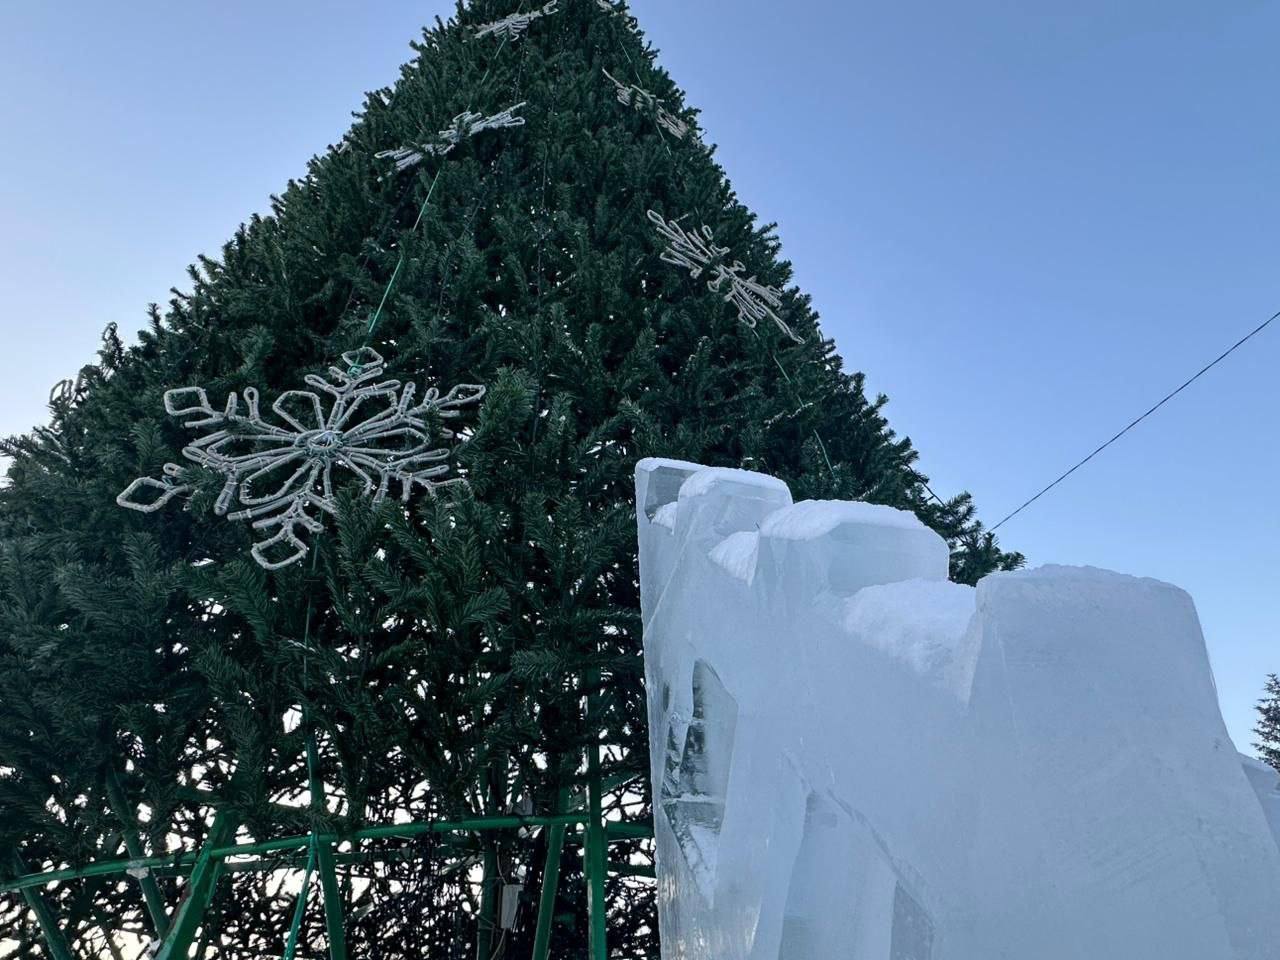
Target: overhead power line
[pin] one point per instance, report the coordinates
(1200, 373)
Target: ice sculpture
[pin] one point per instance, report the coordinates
(854, 759)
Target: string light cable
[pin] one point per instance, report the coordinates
(1169, 396)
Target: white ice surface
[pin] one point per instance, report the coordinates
(855, 759)
(1266, 784)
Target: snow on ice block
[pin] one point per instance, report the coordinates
(842, 547)
(854, 758)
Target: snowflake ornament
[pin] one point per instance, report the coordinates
(514, 26)
(464, 125)
(697, 252)
(613, 11)
(281, 476)
(645, 102)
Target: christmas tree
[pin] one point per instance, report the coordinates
(1268, 728)
(287, 644)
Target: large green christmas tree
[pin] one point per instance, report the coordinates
(438, 655)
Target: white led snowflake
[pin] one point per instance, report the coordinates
(610, 9)
(514, 26)
(645, 102)
(697, 252)
(282, 477)
(464, 125)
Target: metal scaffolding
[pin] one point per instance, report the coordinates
(319, 854)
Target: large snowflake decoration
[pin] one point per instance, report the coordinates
(282, 477)
(514, 26)
(464, 125)
(696, 251)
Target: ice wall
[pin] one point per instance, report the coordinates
(854, 758)
(1266, 783)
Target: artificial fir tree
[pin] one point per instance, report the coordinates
(437, 654)
(1268, 728)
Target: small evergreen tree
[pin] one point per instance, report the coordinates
(1268, 728)
(150, 673)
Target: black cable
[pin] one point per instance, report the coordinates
(1200, 373)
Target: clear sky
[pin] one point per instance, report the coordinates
(1025, 221)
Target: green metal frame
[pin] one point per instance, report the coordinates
(211, 862)
(205, 867)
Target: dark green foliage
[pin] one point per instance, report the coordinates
(437, 651)
(1268, 728)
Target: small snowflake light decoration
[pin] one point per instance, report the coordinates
(514, 26)
(282, 476)
(645, 102)
(464, 125)
(613, 11)
(696, 251)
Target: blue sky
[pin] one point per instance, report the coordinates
(1025, 222)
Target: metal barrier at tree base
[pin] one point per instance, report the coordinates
(204, 867)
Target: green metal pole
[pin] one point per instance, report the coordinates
(332, 899)
(490, 941)
(550, 886)
(323, 849)
(199, 891)
(617, 830)
(92, 870)
(291, 946)
(150, 889)
(179, 863)
(59, 949)
(595, 862)
(465, 825)
(488, 905)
